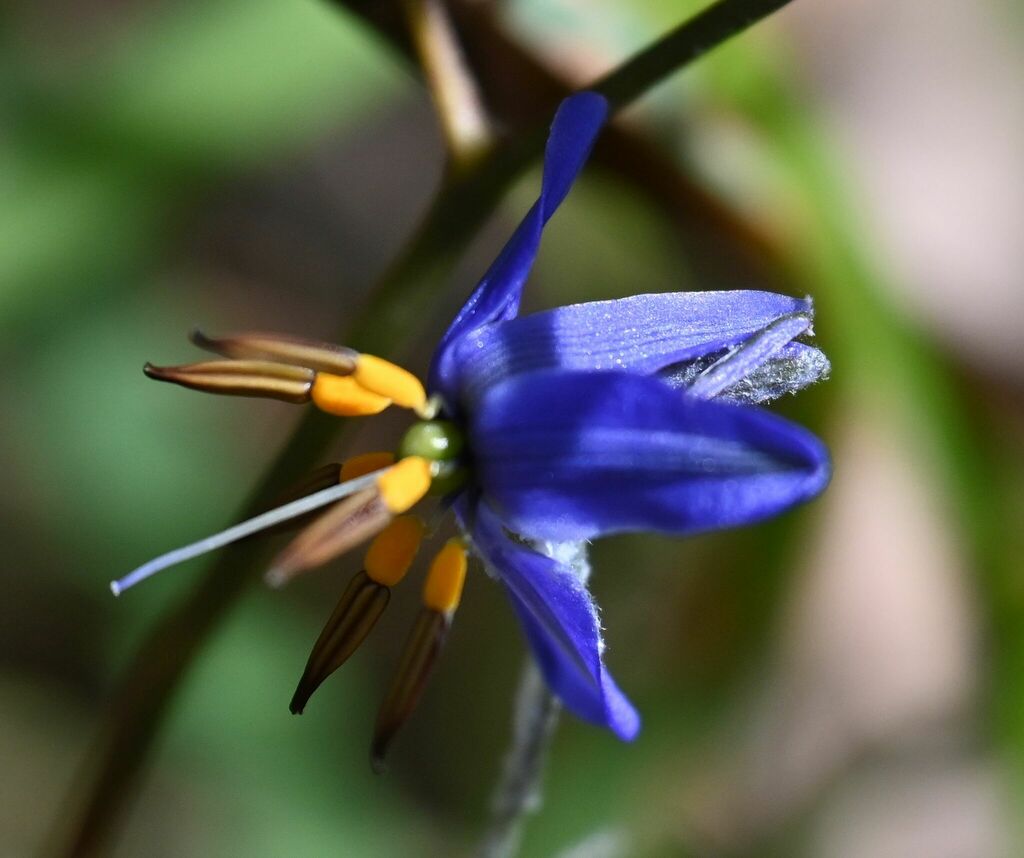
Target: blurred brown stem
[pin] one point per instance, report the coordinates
(722, 246)
(464, 122)
(395, 310)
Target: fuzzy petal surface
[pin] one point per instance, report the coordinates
(795, 366)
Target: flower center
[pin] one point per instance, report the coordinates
(442, 443)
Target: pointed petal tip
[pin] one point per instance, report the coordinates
(820, 471)
(810, 475)
(804, 468)
(630, 734)
(589, 100)
(623, 720)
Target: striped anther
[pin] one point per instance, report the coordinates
(387, 561)
(365, 463)
(441, 593)
(315, 481)
(357, 612)
(419, 657)
(344, 525)
(323, 357)
(240, 378)
(329, 475)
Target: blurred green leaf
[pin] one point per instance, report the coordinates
(102, 157)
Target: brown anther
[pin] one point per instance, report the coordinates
(240, 378)
(323, 477)
(315, 481)
(357, 612)
(418, 659)
(325, 357)
(342, 527)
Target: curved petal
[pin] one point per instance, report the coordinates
(641, 334)
(561, 624)
(570, 456)
(575, 128)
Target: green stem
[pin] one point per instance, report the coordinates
(707, 29)
(518, 794)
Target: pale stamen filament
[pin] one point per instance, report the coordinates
(246, 528)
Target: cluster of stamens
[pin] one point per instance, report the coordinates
(367, 497)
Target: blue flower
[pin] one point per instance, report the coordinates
(614, 416)
(543, 432)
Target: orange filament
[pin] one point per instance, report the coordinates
(363, 464)
(443, 587)
(393, 549)
(384, 379)
(343, 396)
(405, 484)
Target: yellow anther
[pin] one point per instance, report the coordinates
(343, 396)
(363, 464)
(385, 379)
(393, 549)
(404, 484)
(443, 587)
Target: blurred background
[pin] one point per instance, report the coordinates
(847, 681)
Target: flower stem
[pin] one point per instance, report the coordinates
(518, 792)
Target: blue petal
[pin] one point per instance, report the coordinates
(575, 128)
(570, 456)
(641, 334)
(561, 625)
